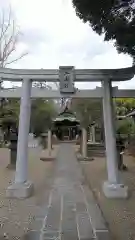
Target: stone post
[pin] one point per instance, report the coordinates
(21, 188)
(84, 143)
(113, 187)
(93, 134)
(49, 142)
(90, 134)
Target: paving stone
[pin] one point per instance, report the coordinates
(69, 218)
(98, 221)
(103, 235)
(37, 225)
(50, 235)
(32, 235)
(53, 216)
(81, 207)
(42, 212)
(96, 217)
(69, 235)
(84, 226)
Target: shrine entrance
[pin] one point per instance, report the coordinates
(67, 76)
(66, 126)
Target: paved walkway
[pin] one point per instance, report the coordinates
(71, 212)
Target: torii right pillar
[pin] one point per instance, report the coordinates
(113, 188)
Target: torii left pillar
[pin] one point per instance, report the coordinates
(22, 188)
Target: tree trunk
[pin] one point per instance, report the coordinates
(1, 136)
(13, 156)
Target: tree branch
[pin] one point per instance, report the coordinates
(9, 37)
(15, 60)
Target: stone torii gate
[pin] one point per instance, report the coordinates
(21, 187)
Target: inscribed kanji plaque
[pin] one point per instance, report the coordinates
(66, 77)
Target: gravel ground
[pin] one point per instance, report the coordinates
(120, 214)
(18, 216)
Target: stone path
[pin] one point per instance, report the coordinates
(71, 211)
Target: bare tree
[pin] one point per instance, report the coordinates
(9, 38)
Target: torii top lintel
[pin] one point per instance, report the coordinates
(81, 75)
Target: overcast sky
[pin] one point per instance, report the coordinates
(54, 36)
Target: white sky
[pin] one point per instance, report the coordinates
(54, 36)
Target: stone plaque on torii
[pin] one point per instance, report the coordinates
(66, 78)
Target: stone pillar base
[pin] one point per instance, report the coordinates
(20, 190)
(115, 190)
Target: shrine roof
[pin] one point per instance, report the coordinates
(66, 115)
